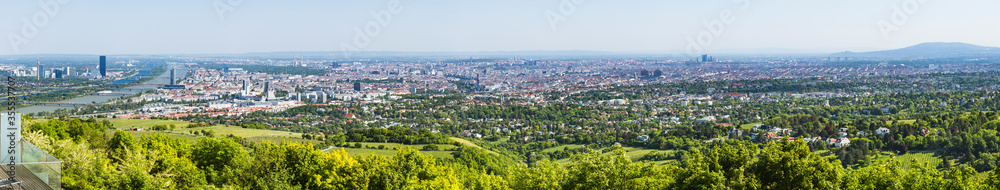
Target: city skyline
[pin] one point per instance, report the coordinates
(224, 27)
(512, 94)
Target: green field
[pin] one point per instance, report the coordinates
(388, 151)
(908, 121)
(562, 147)
(137, 134)
(391, 152)
(145, 123)
(220, 130)
(279, 140)
(36, 120)
(398, 145)
(921, 156)
(469, 143)
(636, 153)
(749, 126)
(633, 153)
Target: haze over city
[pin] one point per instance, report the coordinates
(504, 95)
(645, 26)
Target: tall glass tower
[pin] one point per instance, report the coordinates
(104, 66)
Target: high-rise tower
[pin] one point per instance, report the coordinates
(104, 66)
(267, 86)
(70, 71)
(246, 86)
(41, 71)
(173, 81)
(267, 92)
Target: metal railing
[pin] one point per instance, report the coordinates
(41, 164)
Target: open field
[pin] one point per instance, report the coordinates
(279, 140)
(562, 147)
(35, 120)
(927, 157)
(399, 145)
(138, 134)
(908, 121)
(634, 153)
(145, 123)
(468, 143)
(220, 130)
(749, 125)
(388, 151)
(921, 156)
(564, 161)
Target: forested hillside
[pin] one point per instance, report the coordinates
(93, 159)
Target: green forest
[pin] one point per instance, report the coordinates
(94, 157)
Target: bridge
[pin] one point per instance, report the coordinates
(134, 90)
(65, 104)
(112, 94)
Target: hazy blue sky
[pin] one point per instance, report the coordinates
(193, 26)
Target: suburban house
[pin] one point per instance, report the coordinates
(643, 138)
(735, 131)
(706, 119)
(882, 131)
(843, 142)
(814, 139)
(832, 141)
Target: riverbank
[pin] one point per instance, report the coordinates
(151, 84)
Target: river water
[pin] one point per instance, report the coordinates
(162, 79)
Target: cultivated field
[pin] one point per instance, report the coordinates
(219, 130)
(921, 156)
(469, 143)
(444, 149)
(633, 153)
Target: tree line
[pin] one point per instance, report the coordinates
(157, 161)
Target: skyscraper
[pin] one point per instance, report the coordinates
(104, 66)
(357, 86)
(58, 73)
(245, 86)
(70, 71)
(173, 81)
(41, 71)
(267, 86)
(704, 58)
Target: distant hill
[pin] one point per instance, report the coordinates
(930, 50)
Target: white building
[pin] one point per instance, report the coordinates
(843, 142)
(221, 104)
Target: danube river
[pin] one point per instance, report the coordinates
(148, 85)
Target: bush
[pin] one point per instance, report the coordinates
(431, 147)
